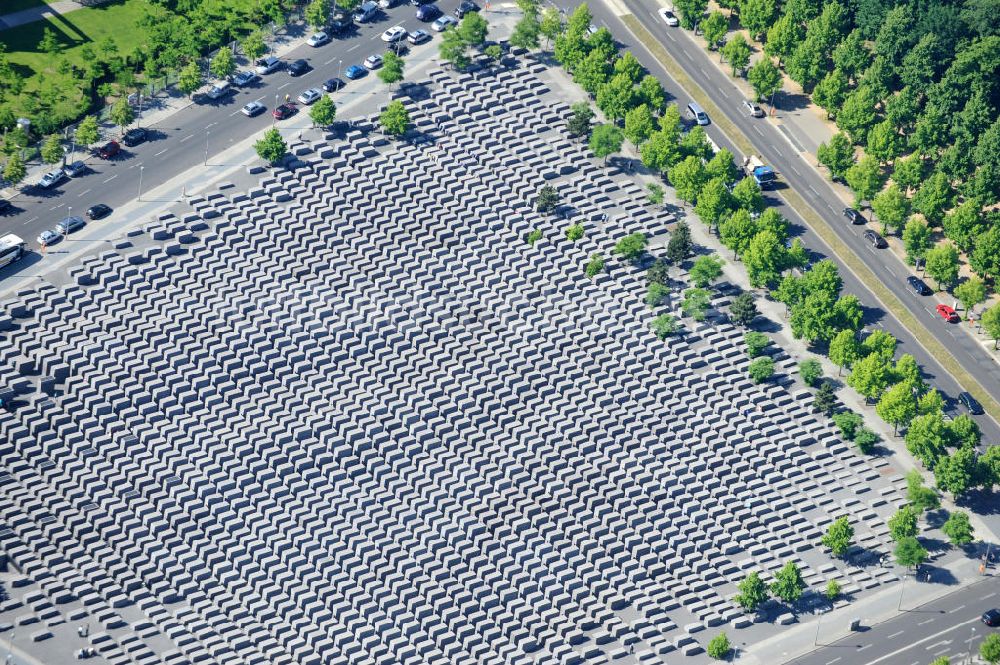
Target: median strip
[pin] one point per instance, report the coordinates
(885, 297)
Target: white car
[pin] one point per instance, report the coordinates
(318, 39)
(251, 109)
(669, 18)
(52, 178)
(373, 61)
(752, 110)
(309, 96)
(48, 237)
(443, 23)
(418, 37)
(394, 34)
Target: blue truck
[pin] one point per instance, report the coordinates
(762, 174)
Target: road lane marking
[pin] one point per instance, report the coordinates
(688, 56)
(988, 596)
(896, 634)
(925, 622)
(57, 207)
(938, 644)
(776, 150)
(285, 85)
(795, 169)
(926, 639)
(704, 73)
(83, 192)
(353, 47)
(960, 607)
(831, 662)
(862, 648)
(189, 136)
(927, 310)
(724, 93)
(757, 129)
(211, 124)
(29, 221)
(330, 60)
(813, 190)
(671, 37)
(111, 178)
(161, 152)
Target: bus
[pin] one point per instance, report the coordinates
(11, 249)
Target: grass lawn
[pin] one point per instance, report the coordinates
(11, 6)
(82, 26)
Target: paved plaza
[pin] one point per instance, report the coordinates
(349, 415)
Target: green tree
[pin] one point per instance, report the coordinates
(849, 423)
(737, 52)
(722, 166)
(719, 647)
(579, 122)
(825, 400)
(757, 16)
(908, 173)
(885, 143)
(811, 371)
(761, 369)
(679, 245)
(122, 113)
(934, 197)
(851, 56)
(926, 438)
(958, 529)
(910, 553)
(658, 273)
(897, 406)
(942, 264)
(660, 152)
(782, 38)
(392, 68)
(903, 524)
(869, 376)
(957, 472)
(964, 224)
(223, 64)
(605, 140)
(930, 402)
(764, 259)
(49, 43)
(548, 199)
(705, 270)
(473, 28)
(616, 97)
(654, 193)
(864, 179)
(907, 371)
(832, 591)
(574, 232)
(714, 28)
(592, 72)
(52, 152)
(690, 12)
(830, 92)
(916, 240)
(687, 177)
(736, 232)
(639, 125)
(453, 49)
(964, 431)
(695, 143)
(989, 468)
(839, 537)
(755, 342)
(551, 26)
(752, 592)
(526, 33)
(602, 42)
(595, 265)
(323, 112)
(985, 257)
(651, 92)
(743, 309)
(989, 649)
(394, 119)
(921, 497)
(571, 43)
(87, 132)
(696, 303)
(788, 584)
(629, 65)
(990, 319)
(656, 295)
(748, 196)
(271, 147)
(14, 170)
(764, 77)
(881, 343)
(189, 79)
(631, 247)
(714, 202)
(318, 13)
(838, 155)
(892, 208)
(844, 349)
(970, 293)
(857, 114)
(253, 45)
(663, 326)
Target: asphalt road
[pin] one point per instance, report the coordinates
(949, 626)
(795, 173)
(189, 138)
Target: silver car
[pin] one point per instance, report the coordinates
(752, 109)
(70, 224)
(52, 178)
(48, 237)
(309, 96)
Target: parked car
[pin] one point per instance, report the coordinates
(465, 7)
(394, 34)
(245, 78)
(251, 109)
(752, 109)
(109, 150)
(373, 61)
(48, 236)
(444, 23)
(669, 18)
(917, 286)
(70, 224)
(5, 205)
(268, 64)
(135, 136)
(386, 4)
(340, 25)
(991, 618)
(52, 178)
(853, 216)
(318, 39)
(970, 403)
(876, 241)
(417, 3)
(428, 12)
(948, 313)
(298, 67)
(75, 169)
(418, 37)
(333, 85)
(285, 111)
(98, 211)
(309, 96)
(355, 72)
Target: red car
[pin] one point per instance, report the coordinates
(109, 150)
(948, 314)
(285, 111)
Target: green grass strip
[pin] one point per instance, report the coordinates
(886, 298)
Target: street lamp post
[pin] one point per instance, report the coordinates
(141, 168)
(274, 118)
(206, 147)
(972, 636)
(339, 63)
(902, 585)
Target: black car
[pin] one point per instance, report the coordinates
(428, 13)
(876, 241)
(970, 403)
(991, 617)
(918, 286)
(853, 216)
(134, 137)
(98, 211)
(4, 205)
(333, 85)
(417, 3)
(466, 7)
(340, 25)
(298, 68)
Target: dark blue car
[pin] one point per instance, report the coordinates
(355, 72)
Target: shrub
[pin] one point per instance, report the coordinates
(595, 265)
(574, 232)
(534, 236)
(848, 423)
(832, 592)
(719, 647)
(656, 294)
(810, 370)
(756, 343)
(663, 326)
(865, 439)
(761, 369)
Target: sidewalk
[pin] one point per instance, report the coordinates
(33, 14)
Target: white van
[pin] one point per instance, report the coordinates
(366, 12)
(220, 90)
(695, 113)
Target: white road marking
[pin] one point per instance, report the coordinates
(161, 152)
(926, 639)
(724, 93)
(925, 622)
(776, 150)
(988, 596)
(757, 129)
(688, 56)
(330, 60)
(671, 37)
(284, 85)
(795, 169)
(960, 607)
(938, 644)
(111, 178)
(831, 662)
(927, 310)
(813, 190)
(57, 207)
(704, 73)
(941, 651)
(211, 124)
(896, 634)
(189, 136)
(353, 47)
(867, 646)
(83, 192)
(29, 221)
